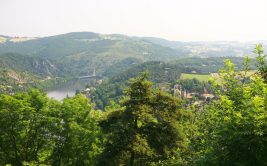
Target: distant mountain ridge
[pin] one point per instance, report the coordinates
(83, 51)
(78, 53)
(4, 39)
(209, 48)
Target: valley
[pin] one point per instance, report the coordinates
(133, 83)
(54, 62)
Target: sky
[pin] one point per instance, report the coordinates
(180, 20)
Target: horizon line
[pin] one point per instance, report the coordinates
(136, 36)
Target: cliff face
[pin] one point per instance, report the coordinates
(28, 64)
(44, 66)
(22, 71)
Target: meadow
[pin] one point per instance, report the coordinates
(200, 77)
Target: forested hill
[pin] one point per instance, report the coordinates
(21, 72)
(160, 72)
(35, 65)
(112, 88)
(79, 53)
(82, 51)
(212, 64)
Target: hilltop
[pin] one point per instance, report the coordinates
(81, 52)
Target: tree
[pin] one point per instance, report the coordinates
(261, 59)
(78, 134)
(36, 130)
(145, 129)
(25, 128)
(238, 131)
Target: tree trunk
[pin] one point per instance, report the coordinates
(132, 159)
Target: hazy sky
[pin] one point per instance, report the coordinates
(184, 20)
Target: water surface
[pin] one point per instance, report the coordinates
(69, 89)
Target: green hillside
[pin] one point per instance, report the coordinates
(212, 64)
(80, 52)
(35, 65)
(20, 72)
(113, 87)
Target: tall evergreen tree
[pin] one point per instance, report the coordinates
(145, 129)
(261, 59)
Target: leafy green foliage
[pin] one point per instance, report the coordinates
(78, 133)
(37, 130)
(236, 134)
(261, 59)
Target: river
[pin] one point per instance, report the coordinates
(69, 89)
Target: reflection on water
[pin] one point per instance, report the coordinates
(68, 89)
(60, 94)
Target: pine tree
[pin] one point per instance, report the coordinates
(145, 129)
(261, 59)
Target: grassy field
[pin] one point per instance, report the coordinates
(206, 77)
(200, 77)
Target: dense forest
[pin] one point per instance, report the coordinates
(145, 126)
(161, 72)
